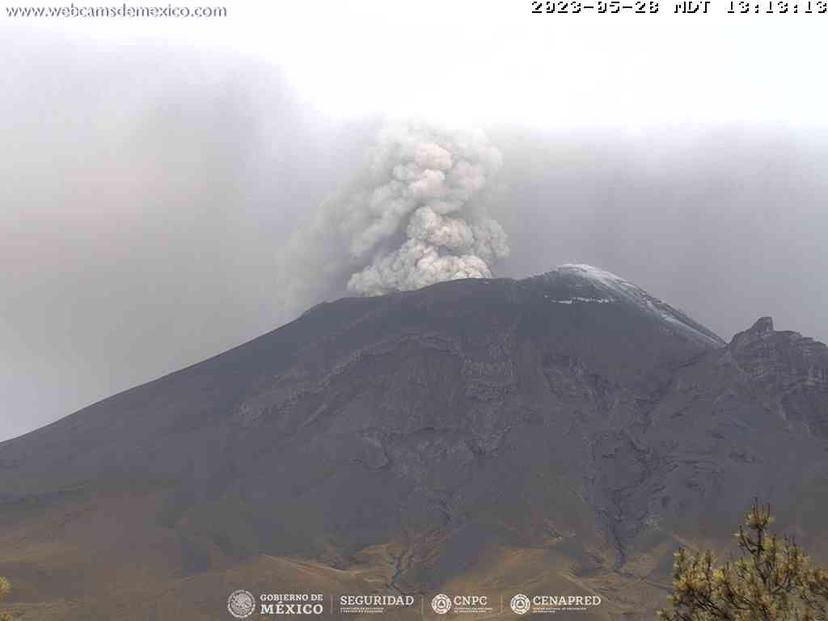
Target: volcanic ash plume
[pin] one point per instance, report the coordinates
(420, 222)
(414, 217)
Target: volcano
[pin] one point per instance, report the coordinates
(563, 434)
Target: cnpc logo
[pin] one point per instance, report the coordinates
(442, 603)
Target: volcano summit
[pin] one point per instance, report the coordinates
(560, 434)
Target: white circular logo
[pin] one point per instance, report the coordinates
(520, 604)
(441, 604)
(241, 604)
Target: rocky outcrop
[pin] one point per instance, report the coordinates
(791, 369)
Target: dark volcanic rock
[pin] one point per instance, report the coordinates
(569, 412)
(792, 368)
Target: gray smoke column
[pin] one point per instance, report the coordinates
(412, 219)
(421, 222)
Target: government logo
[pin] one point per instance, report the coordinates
(520, 604)
(241, 604)
(441, 604)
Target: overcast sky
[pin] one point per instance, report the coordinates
(151, 173)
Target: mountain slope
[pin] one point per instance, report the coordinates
(568, 425)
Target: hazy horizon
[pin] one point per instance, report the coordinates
(149, 189)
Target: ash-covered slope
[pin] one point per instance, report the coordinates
(568, 426)
(609, 325)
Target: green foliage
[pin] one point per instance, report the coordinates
(772, 580)
(5, 587)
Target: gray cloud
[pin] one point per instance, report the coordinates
(727, 222)
(144, 191)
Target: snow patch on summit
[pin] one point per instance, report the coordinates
(612, 288)
(575, 299)
(596, 273)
